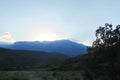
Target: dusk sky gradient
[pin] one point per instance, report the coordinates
(77, 19)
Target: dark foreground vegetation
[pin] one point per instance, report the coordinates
(101, 63)
(103, 59)
(40, 75)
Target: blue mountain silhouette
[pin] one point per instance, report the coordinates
(66, 47)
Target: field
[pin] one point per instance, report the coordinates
(40, 75)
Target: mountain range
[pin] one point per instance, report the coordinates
(65, 47)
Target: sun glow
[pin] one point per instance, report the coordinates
(47, 37)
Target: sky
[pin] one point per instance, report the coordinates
(31, 20)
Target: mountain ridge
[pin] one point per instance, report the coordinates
(66, 47)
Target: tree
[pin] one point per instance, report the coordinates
(107, 49)
(107, 36)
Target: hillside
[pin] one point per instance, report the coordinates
(23, 58)
(103, 64)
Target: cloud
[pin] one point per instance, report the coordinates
(85, 43)
(6, 37)
(79, 41)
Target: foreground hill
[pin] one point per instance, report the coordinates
(23, 58)
(103, 64)
(66, 47)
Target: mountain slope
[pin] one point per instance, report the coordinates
(23, 58)
(66, 47)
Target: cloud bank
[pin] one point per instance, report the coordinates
(6, 37)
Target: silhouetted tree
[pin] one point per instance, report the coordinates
(108, 44)
(107, 36)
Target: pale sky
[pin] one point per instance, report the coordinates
(78, 19)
